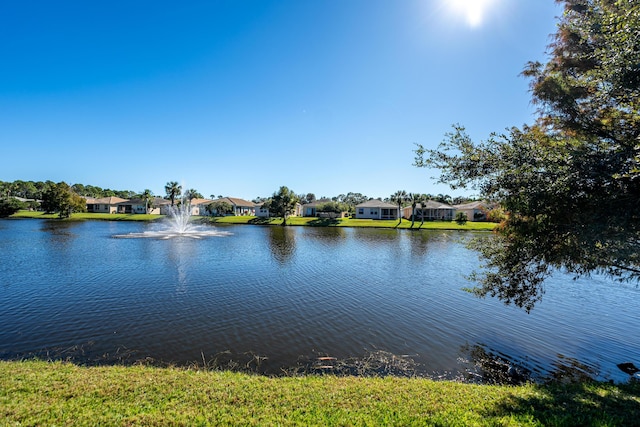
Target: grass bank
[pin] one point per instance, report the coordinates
(86, 216)
(296, 221)
(56, 393)
(352, 222)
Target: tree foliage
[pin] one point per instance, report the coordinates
(461, 218)
(569, 183)
(61, 199)
(332, 207)
(220, 207)
(282, 203)
(400, 197)
(9, 206)
(191, 193)
(173, 190)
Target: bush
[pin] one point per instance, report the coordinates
(461, 218)
(10, 206)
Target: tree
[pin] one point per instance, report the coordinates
(61, 199)
(332, 207)
(570, 182)
(173, 190)
(415, 198)
(220, 207)
(147, 198)
(461, 218)
(191, 194)
(424, 199)
(399, 198)
(282, 203)
(10, 206)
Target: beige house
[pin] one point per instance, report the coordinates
(262, 212)
(311, 209)
(475, 211)
(138, 206)
(376, 209)
(104, 204)
(430, 211)
(199, 206)
(240, 207)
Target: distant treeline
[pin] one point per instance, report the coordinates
(36, 189)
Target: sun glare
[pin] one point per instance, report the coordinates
(473, 10)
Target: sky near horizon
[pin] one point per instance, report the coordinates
(240, 97)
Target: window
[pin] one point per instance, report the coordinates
(361, 211)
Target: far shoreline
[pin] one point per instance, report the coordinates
(291, 221)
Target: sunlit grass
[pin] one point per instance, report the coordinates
(55, 393)
(300, 221)
(86, 215)
(351, 222)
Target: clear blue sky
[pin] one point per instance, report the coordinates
(239, 97)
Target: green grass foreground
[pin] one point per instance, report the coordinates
(57, 393)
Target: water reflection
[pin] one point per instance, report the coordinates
(180, 252)
(488, 366)
(419, 243)
(282, 243)
(286, 292)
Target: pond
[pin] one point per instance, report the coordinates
(278, 300)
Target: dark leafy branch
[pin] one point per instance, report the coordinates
(570, 183)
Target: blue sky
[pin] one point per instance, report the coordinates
(240, 97)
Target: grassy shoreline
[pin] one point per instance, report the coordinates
(293, 221)
(58, 393)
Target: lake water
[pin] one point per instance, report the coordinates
(276, 299)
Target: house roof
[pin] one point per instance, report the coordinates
(472, 205)
(236, 202)
(432, 204)
(106, 201)
(375, 203)
(200, 201)
(156, 201)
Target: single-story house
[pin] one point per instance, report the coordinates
(475, 211)
(376, 209)
(240, 207)
(263, 212)
(200, 206)
(138, 206)
(430, 211)
(104, 204)
(309, 209)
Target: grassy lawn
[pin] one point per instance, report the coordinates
(314, 222)
(85, 216)
(350, 222)
(55, 393)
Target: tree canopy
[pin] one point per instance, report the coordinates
(62, 199)
(173, 190)
(570, 182)
(282, 203)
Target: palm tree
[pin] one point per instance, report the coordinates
(399, 197)
(173, 190)
(414, 198)
(147, 197)
(425, 198)
(191, 194)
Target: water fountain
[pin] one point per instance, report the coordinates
(177, 224)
